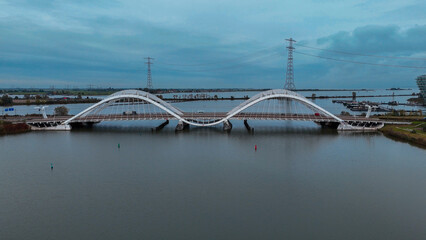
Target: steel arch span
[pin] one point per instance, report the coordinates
(280, 93)
(179, 115)
(129, 94)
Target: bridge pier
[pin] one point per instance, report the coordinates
(250, 129)
(227, 126)
(360, 126)
(50, 126)
(181, 126)
(82, 124)
(332, 125)
(161, 126)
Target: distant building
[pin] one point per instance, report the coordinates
(421, 82)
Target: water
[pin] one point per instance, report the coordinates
(301, 183)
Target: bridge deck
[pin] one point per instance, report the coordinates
(198, 117)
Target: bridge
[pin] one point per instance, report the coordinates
(278, 104)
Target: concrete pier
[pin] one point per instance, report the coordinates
(331, 125)
(50, 127)
(250, 129)
(181, 126)
(227, 126)
(161, 126)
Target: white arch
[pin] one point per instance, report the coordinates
(276, 93)
(148, 97)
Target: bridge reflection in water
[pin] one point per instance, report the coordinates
(278, 104)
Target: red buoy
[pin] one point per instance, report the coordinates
(255, 147)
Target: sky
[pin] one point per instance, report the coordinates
(211, 44)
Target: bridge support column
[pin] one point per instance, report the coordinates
(82, 124)
(50, 127)
(89, 124)
(227, 126)
(161, 126)
(332, 125)
(250, 129)
(181, 126)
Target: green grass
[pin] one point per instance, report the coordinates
(405, 133)
(416, 126)
(402, 118)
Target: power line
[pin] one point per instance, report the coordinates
(364, 63)
(253, 54)
(360, 54)
(222, 68)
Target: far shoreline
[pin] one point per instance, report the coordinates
(108, 91)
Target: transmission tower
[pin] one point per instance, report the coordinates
(148, 77)
(289, 76)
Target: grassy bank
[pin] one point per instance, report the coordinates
(401, 118)
(412, 133)
(13, 128)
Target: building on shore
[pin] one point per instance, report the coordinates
(421, 82)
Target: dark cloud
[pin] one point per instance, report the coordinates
(378, 40)
(372, 40)
(104, 42)
(117, 47)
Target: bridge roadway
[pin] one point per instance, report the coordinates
(195, 117)
(124, 102)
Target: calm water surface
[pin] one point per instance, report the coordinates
(301, 183)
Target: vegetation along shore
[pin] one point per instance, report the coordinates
(414, 133)
(12, 128)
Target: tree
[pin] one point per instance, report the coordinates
(6, 100)
(61, 111)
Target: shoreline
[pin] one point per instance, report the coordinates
(109, 91)
(23, 102)
(8, 128)
(410, 133)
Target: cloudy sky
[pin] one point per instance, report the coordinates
(204, 43)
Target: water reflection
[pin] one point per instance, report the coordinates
(303, 182)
